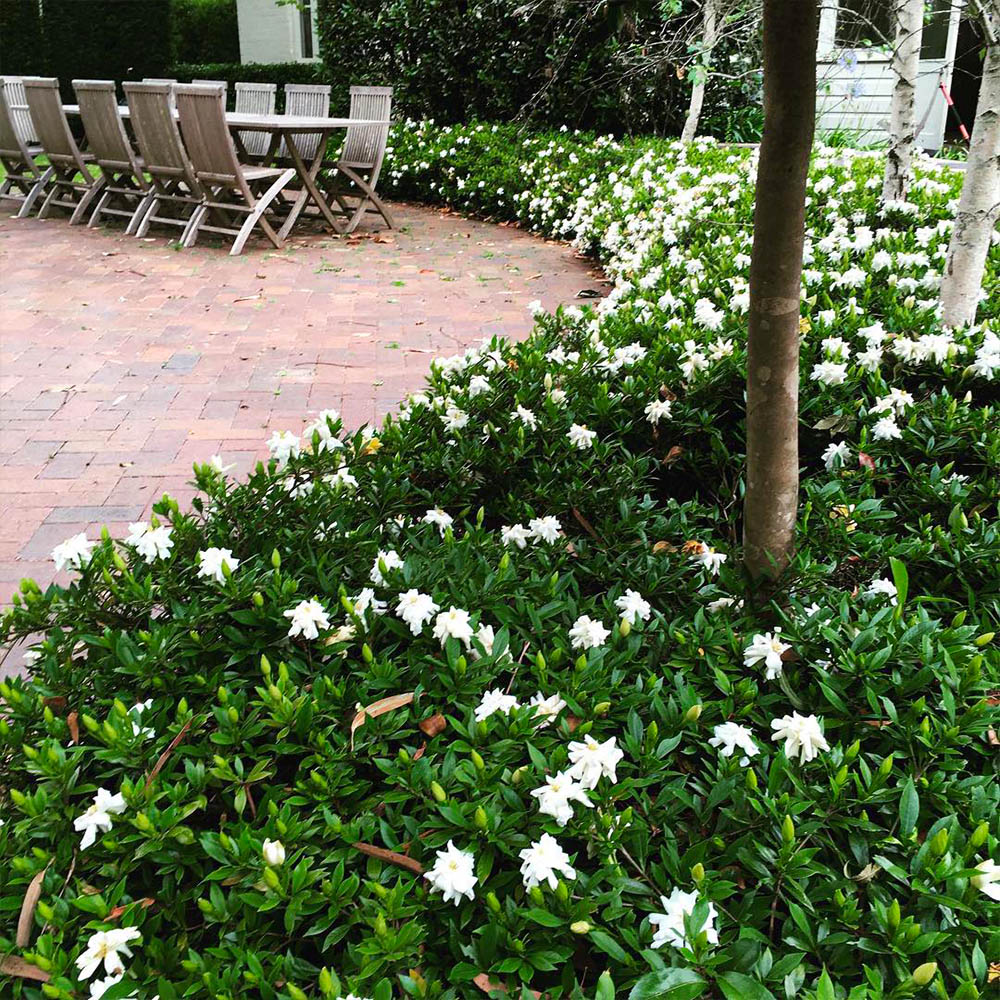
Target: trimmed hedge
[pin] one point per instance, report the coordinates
(279, 73)
(205, 31)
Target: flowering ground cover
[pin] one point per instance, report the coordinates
(480, 701)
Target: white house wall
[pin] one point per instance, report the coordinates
(269, 32)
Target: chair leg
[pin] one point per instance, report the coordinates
(88, 196)
(257, 216)
(190, 235)
(32, 196)
(142, 226)
(95, 216)
(140, 211)
(43, 212)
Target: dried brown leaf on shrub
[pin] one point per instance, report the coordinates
(11, 965)
(27, 916)
(433, 725)
(377, 708)
(663, 548)
(117, 911)
(72, 720)
(488, 985)
(674, 455)
(392, 857)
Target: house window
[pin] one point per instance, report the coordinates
(306, 28)
(934, 40)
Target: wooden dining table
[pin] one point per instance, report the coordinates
(285, 127)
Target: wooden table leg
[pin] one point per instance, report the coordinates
(308, 177)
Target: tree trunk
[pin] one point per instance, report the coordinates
(709, 37)
(771, 501)
(979, 206)
(908, 16)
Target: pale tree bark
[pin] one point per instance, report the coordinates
(979, 207)
(709, 37)
(771, 501)
(908, 16)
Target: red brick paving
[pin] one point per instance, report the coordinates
(124, 361)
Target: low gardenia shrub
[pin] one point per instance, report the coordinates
(480, 702)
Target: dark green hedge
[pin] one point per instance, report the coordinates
(205, 31)
(460, 60)
(96, 39)
(279, 73)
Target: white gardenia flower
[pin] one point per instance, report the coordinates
(886, 429)
(74, 552)
(545, 529)
(150, 543)
(710, 560)
(587, 633)
(273, 852)
(729, 736)
(284, 445)
(211, 562)
(440, 518)
(98, 817)
(308, 618)
(836, 455)
(453, 874)
(632, 605)
(829, 373)
(546, 709)
(557, 795)
(416, 609)
(215, 461)
(535, 307)
(592, 760)
(721, 603)
(453, 624)
(107, 947)
(544, 861)
(495, 701)
(328, 441)
(802, 735)
(389, 558)
(657, 410)
(366, 601)
(669, 925)
(988, 879)
(580, 437)
(101, 986)
(136, 715)
(515, 534)
(766, 648)
(881, 587)
(526, 417)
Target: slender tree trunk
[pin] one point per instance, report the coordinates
(908, 16)
(771, 501)
(709, 38)
(979, 206)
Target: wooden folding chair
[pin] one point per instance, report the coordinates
(17, 106)
(68, 163)
(167, 80)
(255, 99)
(310, 100)
(24, 180)
(164, 159)
(356, 171)
(216, 83)
(127, 193)
(229, 187)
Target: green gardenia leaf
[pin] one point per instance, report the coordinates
(669, 984)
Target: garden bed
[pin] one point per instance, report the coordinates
(594, 761)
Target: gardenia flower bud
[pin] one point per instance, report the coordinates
(273, 852)
(923, 974)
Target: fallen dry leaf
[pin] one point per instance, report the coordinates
(433, 725)
(11, 965)
(377, 708)
(27, 917)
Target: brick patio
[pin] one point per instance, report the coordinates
(123, 361)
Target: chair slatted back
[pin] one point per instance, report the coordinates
(13, 150)
(364, 145)
(256, 99)
(206, 135)
(308, 99)
(156, 132)
(215, 83)
(50, 122)
(102, 122)
(171, 82)
(17, 107)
